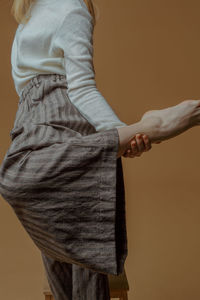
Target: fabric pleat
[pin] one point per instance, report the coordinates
(65, 183)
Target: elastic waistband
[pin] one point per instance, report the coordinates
(36, 80)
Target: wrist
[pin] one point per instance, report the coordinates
(150, 127)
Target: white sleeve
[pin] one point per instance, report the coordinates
(75, 38)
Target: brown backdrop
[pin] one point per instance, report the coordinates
(146, 57)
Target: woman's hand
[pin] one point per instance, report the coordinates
(139, 144)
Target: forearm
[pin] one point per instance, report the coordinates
(164, 124)
(126, 133)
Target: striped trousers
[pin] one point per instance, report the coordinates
(65, 184)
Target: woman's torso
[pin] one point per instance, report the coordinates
(33, 50)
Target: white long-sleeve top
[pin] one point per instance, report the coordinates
(58, 38)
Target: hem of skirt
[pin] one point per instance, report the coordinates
(108, 198)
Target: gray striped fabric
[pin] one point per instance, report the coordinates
(65, 183)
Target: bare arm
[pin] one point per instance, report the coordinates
(126, 133)
(160, 125)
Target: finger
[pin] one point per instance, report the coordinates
(126, 153)
(138, 154)
(133, 150)
(147, 142)
(129, 154)
(134, 147)
(140, 143)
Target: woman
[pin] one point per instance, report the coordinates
(62, 173)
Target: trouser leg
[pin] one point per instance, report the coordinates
(72, 282)
(59, 276)
(89, 285)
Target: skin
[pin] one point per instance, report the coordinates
(161, 125)
(140, 143)
(157, 126)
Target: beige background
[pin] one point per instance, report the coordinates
(146, 57)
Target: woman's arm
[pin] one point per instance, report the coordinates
(162, 124)
(74, 38)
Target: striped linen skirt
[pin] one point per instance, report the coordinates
(65, 184)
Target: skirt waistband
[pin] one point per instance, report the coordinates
(36, 80)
